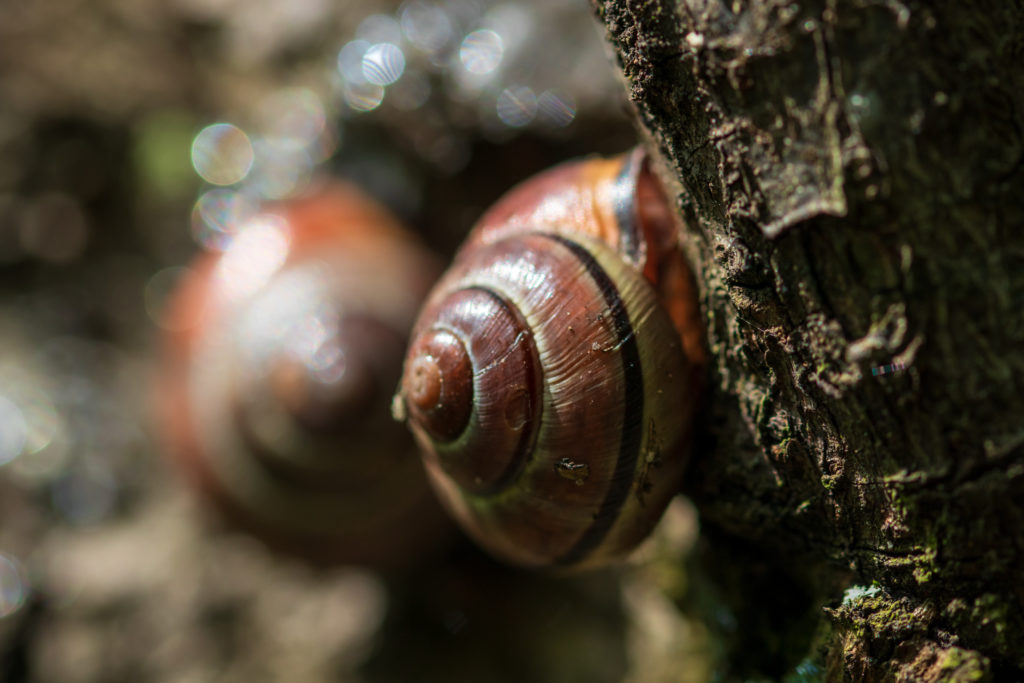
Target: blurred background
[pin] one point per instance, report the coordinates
(135, 134)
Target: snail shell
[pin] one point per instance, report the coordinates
(553, 371)
(277, 375)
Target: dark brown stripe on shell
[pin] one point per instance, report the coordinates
(632, 411)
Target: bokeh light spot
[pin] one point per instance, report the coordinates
(363, 96)
(222, 154)
(383, 64)
(556, 108)
(426, 26)
(516, 106)
(350, 61)
(217, 215)
(481, 51)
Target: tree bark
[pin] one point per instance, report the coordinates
(849, 173)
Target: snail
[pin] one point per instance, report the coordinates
(282, 355)
(553, 371)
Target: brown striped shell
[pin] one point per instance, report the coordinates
(552, 374)
(277, 374)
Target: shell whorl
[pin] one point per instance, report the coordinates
(275, 396)
(550, 303)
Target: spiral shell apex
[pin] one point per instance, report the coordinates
(552, 374)
(274, 391)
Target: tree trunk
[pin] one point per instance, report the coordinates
(849, 173)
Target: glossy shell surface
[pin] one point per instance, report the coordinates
(553, 372)
(277, 373)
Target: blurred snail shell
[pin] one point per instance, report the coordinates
(553, 372)
(277, 374)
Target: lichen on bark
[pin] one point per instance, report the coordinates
(849, 173)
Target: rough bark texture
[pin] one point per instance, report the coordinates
(851, 177)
